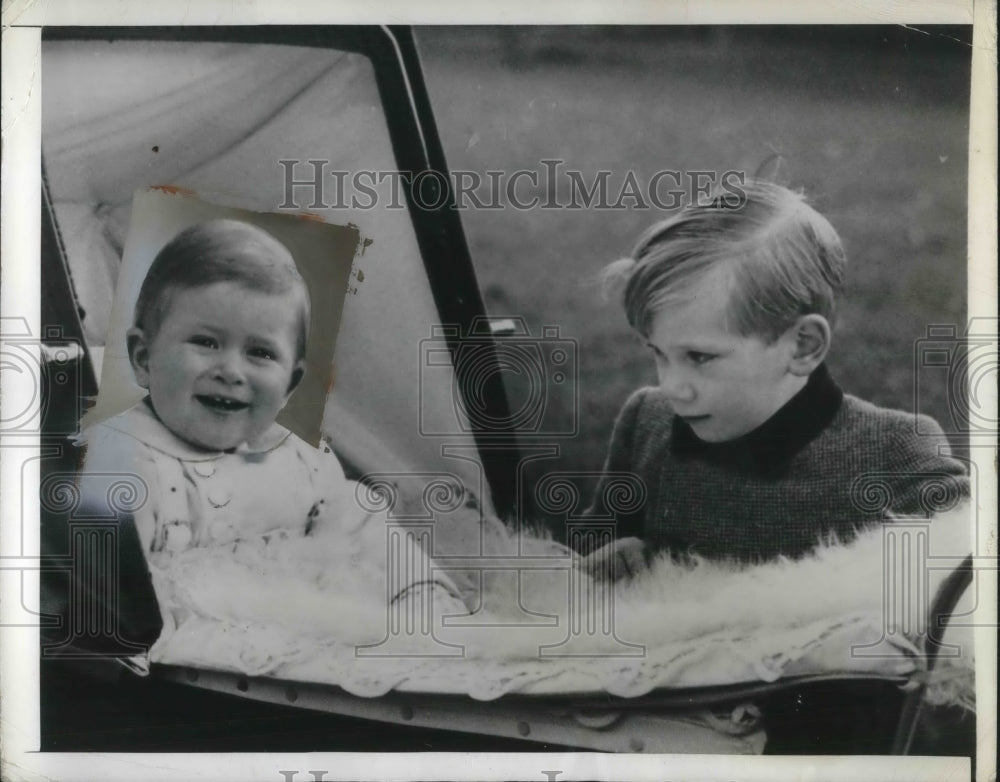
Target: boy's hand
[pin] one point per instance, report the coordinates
(619, 559)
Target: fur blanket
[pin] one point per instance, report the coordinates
(291, 611)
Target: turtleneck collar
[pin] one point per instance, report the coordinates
(771, 445)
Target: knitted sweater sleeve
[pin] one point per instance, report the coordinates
(927, 478)
(621, 493)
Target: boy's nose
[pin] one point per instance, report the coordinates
(676, 386)
(229, 367)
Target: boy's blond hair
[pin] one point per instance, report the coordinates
(779, 258)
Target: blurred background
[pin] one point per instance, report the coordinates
(871, 122)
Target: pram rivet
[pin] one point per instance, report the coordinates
(523, 728)
(407, 712)
(636, 744)
(291, 694)
(242, 684)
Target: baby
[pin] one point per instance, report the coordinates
(748, 448)
(218, 340)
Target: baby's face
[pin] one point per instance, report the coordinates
(222, 364)
(722, 384)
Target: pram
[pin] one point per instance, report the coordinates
(91, 170)
(871, 710)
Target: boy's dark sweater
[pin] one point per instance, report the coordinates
(825, 463)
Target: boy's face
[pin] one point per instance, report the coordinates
(222, 363)
(722, 384)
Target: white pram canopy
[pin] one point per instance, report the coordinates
(216, 119)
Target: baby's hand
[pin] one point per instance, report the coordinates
(442, 599)
(619, 559)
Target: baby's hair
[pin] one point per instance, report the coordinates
(220, 251)
(778, 258)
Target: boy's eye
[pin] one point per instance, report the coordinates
(262, 353)
(203, 341)
(697, 357)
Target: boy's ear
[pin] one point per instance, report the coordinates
(811, 334)
(138, 355)
(298, 372)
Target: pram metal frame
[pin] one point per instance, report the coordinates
(556, 721)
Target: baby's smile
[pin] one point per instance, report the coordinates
(222, 404)
(220, 367)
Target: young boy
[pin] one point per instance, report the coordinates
(748, 449)
(219, 341)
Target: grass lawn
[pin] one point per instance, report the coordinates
(873, 128)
